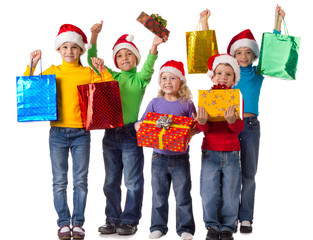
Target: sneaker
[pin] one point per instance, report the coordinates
(246, 227)
(186, 236)
(226, 235)
(64, 232)
(108, 228)
(126, 229)
(155, 234)
(78, 232)
(212, 234)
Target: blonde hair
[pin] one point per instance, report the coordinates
(183, 93)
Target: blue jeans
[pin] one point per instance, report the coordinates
(122, 155)
(249, 142)
(77, 141)
(220, 179)
(176, 169)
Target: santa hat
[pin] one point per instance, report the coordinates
(125, 41)
(174, 67)
(71, 33)
(215, 60)
(243, 39)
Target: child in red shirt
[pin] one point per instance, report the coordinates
(220, 169)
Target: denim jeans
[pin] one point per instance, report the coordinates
(220, 179)
(176, 169)
(249, 142)
(77, 141)
(122, 155)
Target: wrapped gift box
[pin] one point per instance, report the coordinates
(153, 25)
(216, 102)
(175, 138)
(100, 105)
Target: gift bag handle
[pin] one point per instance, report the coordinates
(285, 26)
(31, 67)
(93, 76)
(198, 25)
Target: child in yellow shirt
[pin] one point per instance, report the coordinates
(67, 133)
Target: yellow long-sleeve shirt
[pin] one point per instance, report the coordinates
(68, 77)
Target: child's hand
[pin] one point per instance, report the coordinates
(156, 42)
(36, 56)
(281, 13)
(96, 28)
(202, 116)
(203, 19)
(193, 130)
(231, 115)
(137, 126)
(98, 63)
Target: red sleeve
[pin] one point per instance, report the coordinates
(203, 128)
(237, 126)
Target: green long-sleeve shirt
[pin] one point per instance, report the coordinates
(132, 85)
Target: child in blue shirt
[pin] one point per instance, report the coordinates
(245, 49)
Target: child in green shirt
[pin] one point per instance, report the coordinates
(120, 150)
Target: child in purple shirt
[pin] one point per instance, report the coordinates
(168, 166)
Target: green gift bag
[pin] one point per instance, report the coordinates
(279, 55)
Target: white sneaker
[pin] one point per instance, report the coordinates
(155, 234)
(186, 236)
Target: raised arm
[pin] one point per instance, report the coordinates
(280, 13)
(156, 42)
(204, 15)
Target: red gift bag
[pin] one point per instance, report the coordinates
(100, 105)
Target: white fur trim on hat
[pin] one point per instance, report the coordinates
(130, 38)
(173, 70)
(127, 46)
(226, 59)
(245, 42)
(69, 37)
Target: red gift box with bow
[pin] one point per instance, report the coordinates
(153, 25)
(166, 132)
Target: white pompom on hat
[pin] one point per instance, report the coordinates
(71, 33)
(217, 59)
(243, 39)
(174, 67)
(126, 41)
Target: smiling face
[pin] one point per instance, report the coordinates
(126, 59)
(70, 51)
(170, 85)
(244, 56)
(224, 75)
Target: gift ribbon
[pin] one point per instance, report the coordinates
(161, 145)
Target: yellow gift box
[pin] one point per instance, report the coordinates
(216, 102)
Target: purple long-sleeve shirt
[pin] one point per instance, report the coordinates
(178, 108)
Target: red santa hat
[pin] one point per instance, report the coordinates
(243, 39)
(217, 59)
(125, 41)
(71, 33)
(174, 67)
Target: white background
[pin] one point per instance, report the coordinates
(284, 180)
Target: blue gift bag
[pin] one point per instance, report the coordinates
(36, 98)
